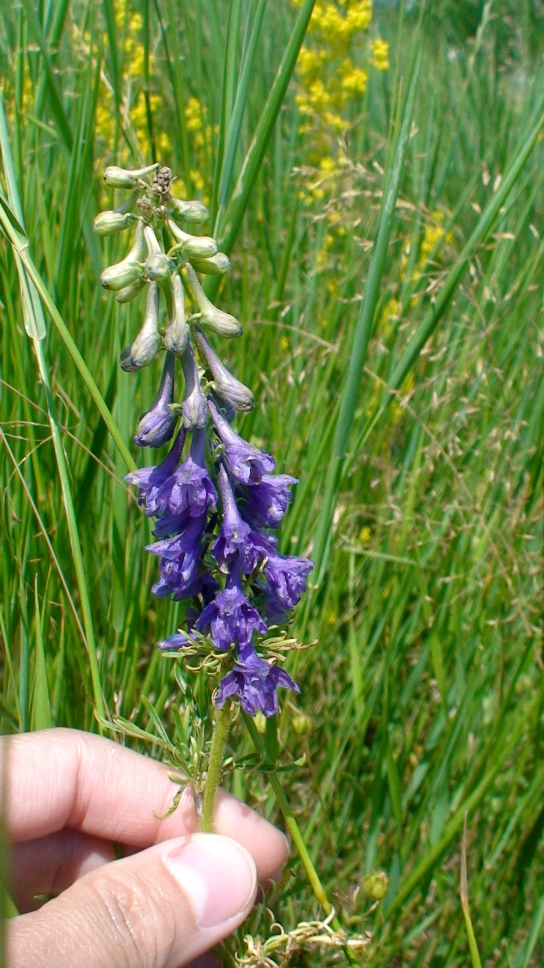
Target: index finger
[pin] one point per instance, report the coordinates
(61, 778)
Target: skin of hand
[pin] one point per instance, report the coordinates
(68, 798)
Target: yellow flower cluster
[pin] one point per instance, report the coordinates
(131, 56)
(434, 237)
(331, 80)
(380, 54)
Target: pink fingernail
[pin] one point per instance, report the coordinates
(218, 876)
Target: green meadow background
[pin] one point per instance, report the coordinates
(383, 210)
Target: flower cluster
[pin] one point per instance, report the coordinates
(330, 79)
(215, 498)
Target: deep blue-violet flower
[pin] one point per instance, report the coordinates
(238, 544)
(246, 463)
(214, 512)
(157, 426)
(255, 682)
(265, 502)
(230, 618)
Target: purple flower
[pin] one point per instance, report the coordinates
(189, 489)
(157, 426)
(255, 683)
(185, 541)
(231, 618)
(176, 641)
(286, 581)
(150, 480)
(267, 501)
(237, 542)
(246, 464)
(179, 577)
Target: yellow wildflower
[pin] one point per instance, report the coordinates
(354, 80)
(380, 54)
(365, 535)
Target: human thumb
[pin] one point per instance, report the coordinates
(159, 908)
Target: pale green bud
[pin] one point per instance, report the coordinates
(148, 341)
(192, 211)
(210, 316)
(107, 223)
(199, 246)
(177, 333)
(117, 177)
(194, 407)
(120, 275)
(217, 265)
(302, 724)
(226, 385)
(151, 240)
(127, 293)
(128, 270)
(158, 267)
(376, 885)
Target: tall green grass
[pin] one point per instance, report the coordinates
(403, 385)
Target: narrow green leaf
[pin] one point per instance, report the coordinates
(363, 330)
(229, 226)
(41, 709)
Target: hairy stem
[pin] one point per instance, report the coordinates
(220, 733)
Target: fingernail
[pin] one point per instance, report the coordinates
(218, 876)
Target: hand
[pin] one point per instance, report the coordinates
(70, 798)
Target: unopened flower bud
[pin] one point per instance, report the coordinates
(302, 724)
(225, 384)
(194, 408)
(197, 246)
(129, 269)
(117, 177)
(217, 265)
(151, 241)
(107, 223)
(127, 293)
(212, 317)
(177, 333)
(157, 426)
(376, 885)
(158, 267)
(120, 275)
(148, 341)
(187, 211)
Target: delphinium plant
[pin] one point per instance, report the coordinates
(214, 498)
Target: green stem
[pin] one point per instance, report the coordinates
(298, 840)
(220, 733)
